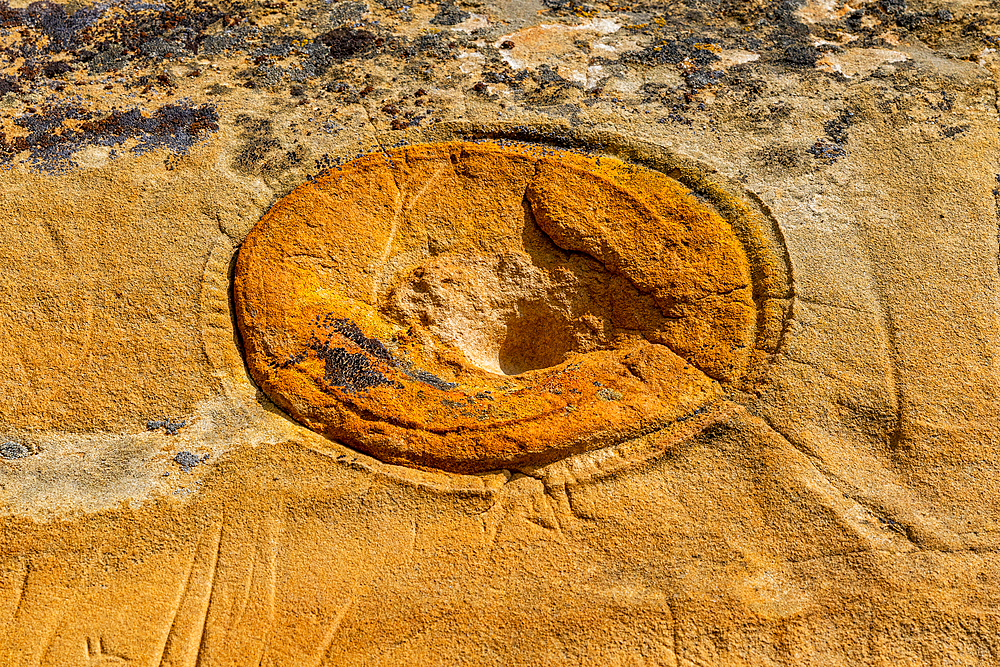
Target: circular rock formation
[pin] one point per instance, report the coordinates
(467, 307)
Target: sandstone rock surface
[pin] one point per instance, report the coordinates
(471, 307)
(829, 498)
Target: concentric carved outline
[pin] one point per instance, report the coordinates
(757, 231)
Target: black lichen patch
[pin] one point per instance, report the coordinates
(951, 132)
(119, 44)
(260, 152)
(801, 55)
(827, 152)
(55, 69)
(258, 143)
(49, 19)
(702, 78)
(169, 426)
(780, 158)
(109, 59)
(51, 141)
(354, 362)
(347, 12)
(188, 460)
(349, 330)
(889, 524)
(146, 30)
(438, 45)
(429, 379)
(346, 42)
(449, 14)
(106, 36)
(351, 371)
(344, 368)
(8, 84)
(551, 89)
(296, 59)
(837, 129)
(507, 77)
(692, 34)
(13, 450)
(692, 50)
(609, 394)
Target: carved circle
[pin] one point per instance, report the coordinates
(473, 306)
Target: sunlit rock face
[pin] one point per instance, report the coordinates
(214, 449)
(470, 307)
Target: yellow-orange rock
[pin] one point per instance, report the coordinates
(469, 307)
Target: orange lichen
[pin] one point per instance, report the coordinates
(468, 307)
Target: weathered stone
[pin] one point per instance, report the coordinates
(834, 502)
(460, 306)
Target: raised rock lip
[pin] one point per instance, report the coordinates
(538, 422)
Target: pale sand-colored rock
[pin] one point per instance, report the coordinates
(840, 509)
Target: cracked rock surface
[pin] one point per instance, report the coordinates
(835, 503)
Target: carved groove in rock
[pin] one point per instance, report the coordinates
(467, 307)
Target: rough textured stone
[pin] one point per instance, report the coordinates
(838, 503)
(471, 307)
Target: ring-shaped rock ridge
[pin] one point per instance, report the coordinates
(473, 306)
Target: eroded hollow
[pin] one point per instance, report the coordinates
(518, 311)
(503, 313)
(465, 307)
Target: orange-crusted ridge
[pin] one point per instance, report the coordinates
(468, 307)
